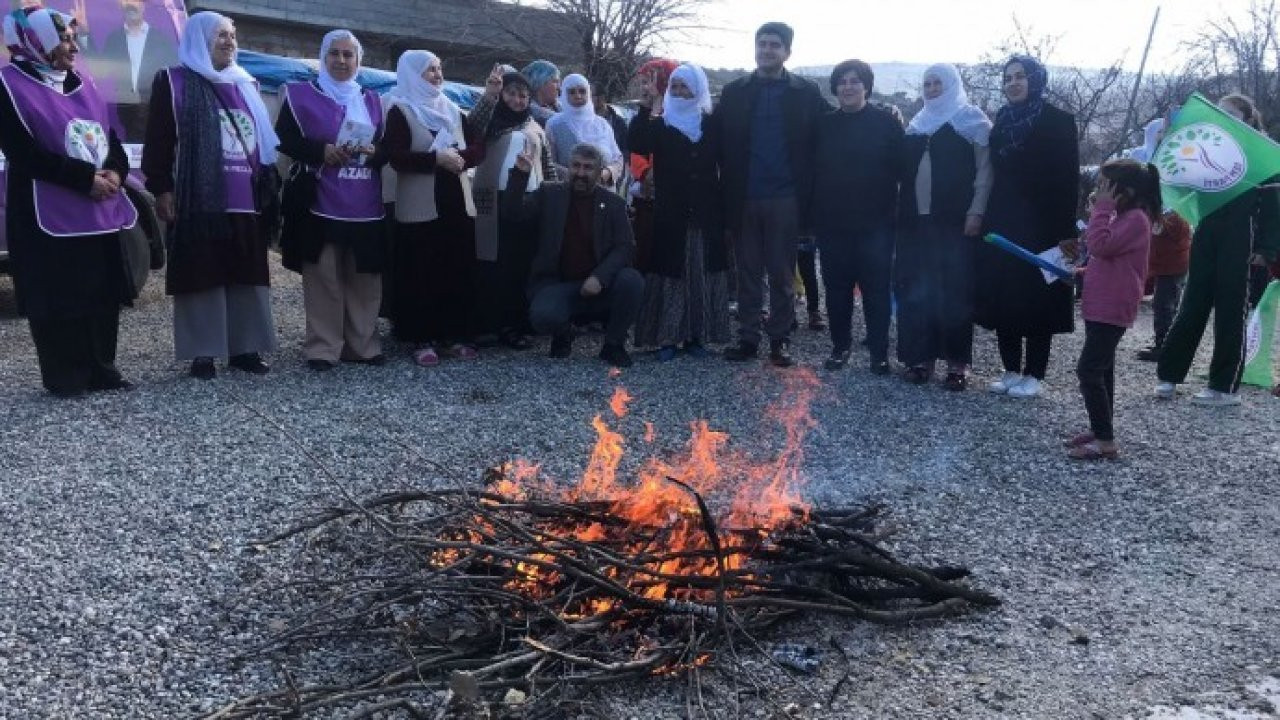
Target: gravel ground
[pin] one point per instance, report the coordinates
(1144, 588)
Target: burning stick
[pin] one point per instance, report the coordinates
(543, 590)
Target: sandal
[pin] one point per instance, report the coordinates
(1083, 438)
(426, 357)
(1092, 451)
(463, 351)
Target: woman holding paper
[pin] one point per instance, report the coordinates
(504, 247)
(1035, 155)
(946, 182)
(434, 258)
(329, 126)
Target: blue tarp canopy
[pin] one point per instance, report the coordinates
(272, 71)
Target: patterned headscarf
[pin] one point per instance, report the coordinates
(347, 93)
(1014, 121)
(661, 69)
(32, 34)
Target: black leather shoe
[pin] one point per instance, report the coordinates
(615, 355)
(114, 381)
(915, 375)
(741, 352)
(561, 346)
(879, 367)
(250, 363)
(955, 382)
(838, 361)
(320, 365)
(203, 368)
(780, 353)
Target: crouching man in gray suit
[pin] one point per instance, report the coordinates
(582, 266)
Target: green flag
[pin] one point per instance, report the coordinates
(1207, 158)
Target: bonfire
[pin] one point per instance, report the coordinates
(526, 591)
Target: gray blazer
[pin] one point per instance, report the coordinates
(548, 207)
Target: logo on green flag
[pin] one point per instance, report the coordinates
(1202, 157)
(1209, 158)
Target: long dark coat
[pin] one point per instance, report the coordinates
(686, 191)
(1033, 203)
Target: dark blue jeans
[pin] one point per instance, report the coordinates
(863, 259)
(554, 307)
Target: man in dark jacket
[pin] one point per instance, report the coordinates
(764, 129)
(582, 267)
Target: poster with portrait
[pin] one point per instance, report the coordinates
(123, 43)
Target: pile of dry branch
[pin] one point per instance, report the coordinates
(478, 594)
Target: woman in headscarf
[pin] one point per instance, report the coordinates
(653, 77)
(946, 182)
(504, 247)
(544, 82)
(434, 264)
(1036, 158)
(65, 205)
(577, 122)
(687, 290)
(1152, 133)
(330, 127)
(202, 178)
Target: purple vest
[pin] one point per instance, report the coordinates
(237, 169)
(73, 126)
(351, 193)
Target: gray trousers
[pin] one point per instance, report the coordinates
(223, 322)
(766, 247)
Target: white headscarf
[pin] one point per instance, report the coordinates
(952, 106)
(193, 52)
(427, 102)
(347, 93)
(1149, 141)
(685, 114)
(583, 122)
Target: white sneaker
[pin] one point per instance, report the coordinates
(1006, 381)
(1215, 398)
(1166, 390)
(1029, 387)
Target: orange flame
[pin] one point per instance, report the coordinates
(663, 519)
(618, 404)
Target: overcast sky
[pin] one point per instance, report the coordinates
(1093, 33)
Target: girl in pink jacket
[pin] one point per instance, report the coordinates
(1118, 239)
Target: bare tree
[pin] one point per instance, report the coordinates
(616, 36)
(1241, 54)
